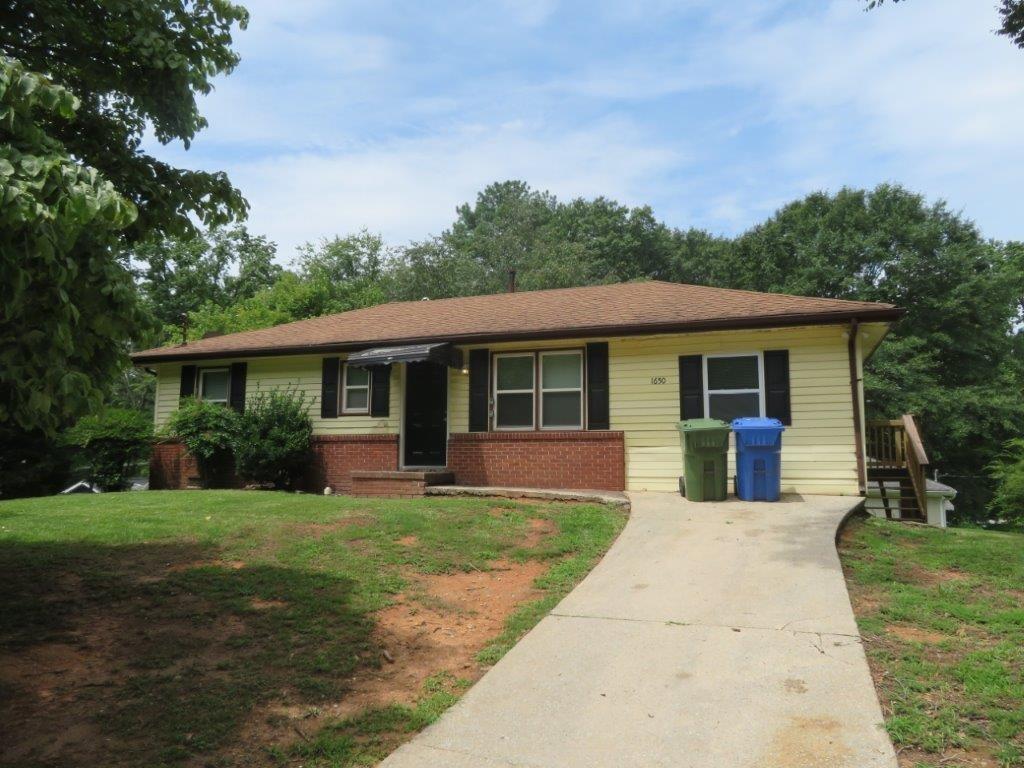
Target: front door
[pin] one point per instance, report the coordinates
(426, 414)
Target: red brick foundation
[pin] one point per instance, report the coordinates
(580, 460)
(170, 468)
(573, 460)
(334, 458)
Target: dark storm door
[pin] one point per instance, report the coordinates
(426, 414)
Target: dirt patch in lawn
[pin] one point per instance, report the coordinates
(911, 634)
(63, 686)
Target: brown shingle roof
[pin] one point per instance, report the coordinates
(599, 310)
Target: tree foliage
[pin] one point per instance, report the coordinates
(1008, 478)
(68, 307)
(134, 65)
(1011, 17)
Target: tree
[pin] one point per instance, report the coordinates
(180, 275)
(135, 65)
(68, 308)
(1011, 13)
(550, 244)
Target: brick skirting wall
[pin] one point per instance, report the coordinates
(580, 460)
(334, 458)
(170, 468)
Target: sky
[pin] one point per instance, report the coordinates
(387, 115)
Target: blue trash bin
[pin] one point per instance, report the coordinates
(758, 458)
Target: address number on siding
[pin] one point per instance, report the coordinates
(658, 380)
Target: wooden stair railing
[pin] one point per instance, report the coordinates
(895, 453)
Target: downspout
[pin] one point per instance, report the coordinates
(858, 418)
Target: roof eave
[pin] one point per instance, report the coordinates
(873, 314)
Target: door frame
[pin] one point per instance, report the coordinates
(403, 377)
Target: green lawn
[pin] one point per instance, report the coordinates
(942, 615)
(172, 618)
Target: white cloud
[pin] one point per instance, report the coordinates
(409, 188)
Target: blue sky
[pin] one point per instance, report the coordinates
(384, 115)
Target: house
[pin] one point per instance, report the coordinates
(565, 388)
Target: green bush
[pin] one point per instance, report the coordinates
(111, 444)
(209, 432)
(1008, 473)
(273, 439)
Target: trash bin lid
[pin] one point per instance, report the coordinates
(756, 422)
(692, 425)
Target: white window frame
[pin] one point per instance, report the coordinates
(542, 390)
(532, 392)
(345, 387)
(227, 392)
(708, 392)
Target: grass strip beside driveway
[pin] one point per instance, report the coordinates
(942, 616)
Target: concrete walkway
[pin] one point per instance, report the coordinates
(711, 635)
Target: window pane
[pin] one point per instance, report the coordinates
(356, 399)
(215, 385)
(561, 371)
(515, 372)
(515, 410)
(357, 377)
(729, 407)
(562, 409)
(732, 373)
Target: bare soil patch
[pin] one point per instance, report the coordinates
(56, 690)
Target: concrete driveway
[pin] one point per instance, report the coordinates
(712, 635)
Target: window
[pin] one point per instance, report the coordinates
(735, 386)
(213, 385)
(514, 384)
(561, 390)
(355, 389)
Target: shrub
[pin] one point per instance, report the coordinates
(273, 439)
(111, 444)
(1008, 473)
(209, 432)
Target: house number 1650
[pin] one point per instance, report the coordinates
(658, 380)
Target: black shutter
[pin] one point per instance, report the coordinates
(188, 381)
(776, 385)
(380, 390)
(597, 386)
(329, 389)
(236, 398)
(479, 389)
(691, 387)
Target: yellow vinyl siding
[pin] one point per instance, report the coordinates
(819, 453)
(299, 374)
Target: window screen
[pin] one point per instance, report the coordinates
(734, 387)
(356, 390)
(213, 385)
(513, 391)
(562, 390)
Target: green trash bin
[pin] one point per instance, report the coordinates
(705, 459)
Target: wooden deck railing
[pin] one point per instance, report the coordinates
(894, 450)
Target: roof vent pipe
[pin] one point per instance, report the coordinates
(511, 281)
